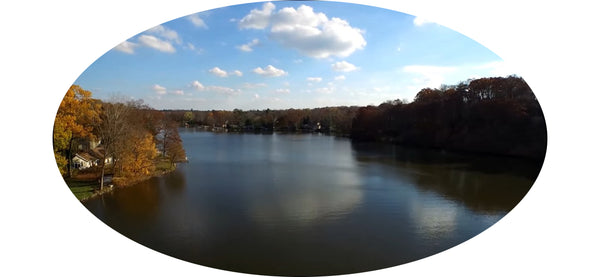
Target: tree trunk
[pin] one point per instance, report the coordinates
(102, 174)
(69, 157)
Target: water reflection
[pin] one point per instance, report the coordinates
(321, 195)
(434, 222)
(485, 184)
(312, 205)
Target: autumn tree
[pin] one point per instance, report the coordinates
(188, 116)
(174, 150)
(138, 160)
(75, 119)
(112, 130)
(167, 135)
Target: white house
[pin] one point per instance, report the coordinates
(90, 158)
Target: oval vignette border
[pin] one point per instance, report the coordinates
(471, 249)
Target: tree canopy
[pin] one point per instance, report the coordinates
(127, 132)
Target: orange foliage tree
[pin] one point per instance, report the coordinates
(75, 119)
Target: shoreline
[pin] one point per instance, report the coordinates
(120, 182)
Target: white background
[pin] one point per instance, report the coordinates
(45, 45)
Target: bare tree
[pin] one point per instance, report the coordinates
(112, 131)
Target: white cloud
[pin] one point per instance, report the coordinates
(343, 66)
(165, 33)
(312, 34)
(324, 90)
(160, 90)
(419, 21)
(257, 19)
(222, 73)
(126, 47)
(218, 72)
(197, 85)
(282, 91)
(178, 92)
(253, 85)
(314, 79)
(224, 90)
(156, 43)
(197, 21)
(340, 78)
(269, 71)
(248, 46)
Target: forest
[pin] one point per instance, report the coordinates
(127, 139)
(488, 115)
(331, 120)
(496, 115)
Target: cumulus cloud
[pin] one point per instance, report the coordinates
(126, 47)
(156, 43)
(340, 78)
(160, 90)
(222, 73)
(165, 33)
(269, 71)
(314, 79)
(343, 66)
(257, 19)
(197, 85)
(218, 72)
(197, 21)
(312, 34)
(248, 46)
(178, 92)
(224, 90)
(419, 21)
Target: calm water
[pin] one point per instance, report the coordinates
(313, 204)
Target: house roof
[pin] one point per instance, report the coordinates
(85, 156)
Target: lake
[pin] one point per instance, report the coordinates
(311, 204)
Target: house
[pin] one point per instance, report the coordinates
(90, 158)
(84, 160)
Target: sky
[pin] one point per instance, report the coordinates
(287, 54)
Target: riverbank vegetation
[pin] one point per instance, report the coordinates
(499, 116)
(118, 141)
(332, 120)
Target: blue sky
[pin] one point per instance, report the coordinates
(287, 54)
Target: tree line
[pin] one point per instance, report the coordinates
(333, 120)
(132, 136)
(499, 115)
(496, 115)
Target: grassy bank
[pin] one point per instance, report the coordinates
(85, 185)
